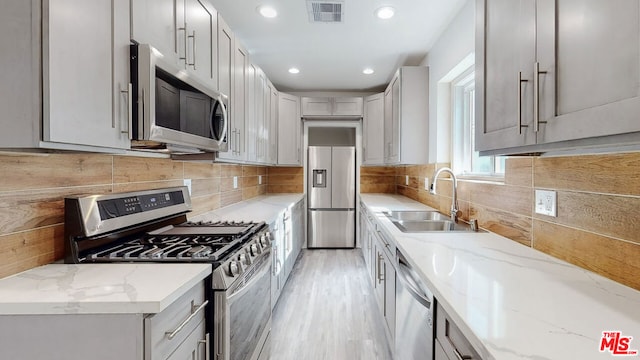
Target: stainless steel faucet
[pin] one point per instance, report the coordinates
(454, 200)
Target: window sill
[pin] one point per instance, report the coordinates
(482, 178)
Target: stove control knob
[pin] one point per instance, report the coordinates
(242, 258)
(264, 240)
(234, 269)
(253, 249)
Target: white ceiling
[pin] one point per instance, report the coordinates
(332, 56)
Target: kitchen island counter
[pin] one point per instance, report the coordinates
(98, 288)
(511, 301)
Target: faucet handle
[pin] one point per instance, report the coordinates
(474, 224)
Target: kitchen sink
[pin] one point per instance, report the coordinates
(416, 215)
(420, 226)
(424, 225)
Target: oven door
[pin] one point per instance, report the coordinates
(242, 315)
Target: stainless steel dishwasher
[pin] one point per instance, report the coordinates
(414, 314)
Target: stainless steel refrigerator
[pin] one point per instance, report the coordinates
(332, 196)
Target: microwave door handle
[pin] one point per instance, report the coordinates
(224, 121)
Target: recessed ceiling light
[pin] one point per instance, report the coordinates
(385, 12)
(267, 11)
(294, 70)
(367, 71)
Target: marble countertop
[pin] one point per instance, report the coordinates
(511, 301)
(261, 208)
(98, 288)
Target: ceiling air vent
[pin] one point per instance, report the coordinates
(325, 11)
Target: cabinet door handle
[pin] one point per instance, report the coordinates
(184, 38)
(380, 270)
(194, 311)
(207, 354)
(520, 81)
(193, 52)
(536, 97)
(238, 142)
(129, 110)
(459, 356)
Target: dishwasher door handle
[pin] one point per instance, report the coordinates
(422, 299)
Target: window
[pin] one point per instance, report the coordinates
(466, 161)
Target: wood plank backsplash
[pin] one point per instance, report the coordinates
(598, 222)
(33, 186)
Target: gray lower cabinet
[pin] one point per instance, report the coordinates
(288, 238)
(385, 283)
(450, 343)
(547, 81)
(64, 87)
(110, 336)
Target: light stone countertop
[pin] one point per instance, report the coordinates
(511, 301)
(98, 288)
(261, 208)
(120, 288)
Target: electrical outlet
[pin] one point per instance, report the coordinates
(406, 179)
(426, 183)
(187, 183)
(546, 202)
(259, 179)
(235, 182)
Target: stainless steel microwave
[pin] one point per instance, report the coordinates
(173, 108)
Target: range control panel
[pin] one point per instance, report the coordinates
(114, 208)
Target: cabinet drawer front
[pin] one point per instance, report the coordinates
(453, 342)
(157, 342)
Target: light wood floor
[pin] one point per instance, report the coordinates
(327, 311)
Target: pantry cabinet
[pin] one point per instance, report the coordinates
(548, 81)
(332, 106)
(65, 87)
(406, 117)
(289, 130)
(373, 130)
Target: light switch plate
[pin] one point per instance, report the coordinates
(546, 202)
(235, 182)
(259, 179)
(187, 183)
(406, 179)
(426, 183)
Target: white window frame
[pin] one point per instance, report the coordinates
(463, 126)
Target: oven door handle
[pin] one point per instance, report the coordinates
(266, 268)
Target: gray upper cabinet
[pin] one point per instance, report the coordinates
(332, 106)
(153, 22)
(239, 106)
(505, 80)
(273, 124)
(226, 53)
(184, 31)
(406, 117)
(546, 81)
(54, 96)
(373, 130)
(289, 130)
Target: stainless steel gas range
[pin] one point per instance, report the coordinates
(151, 226)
